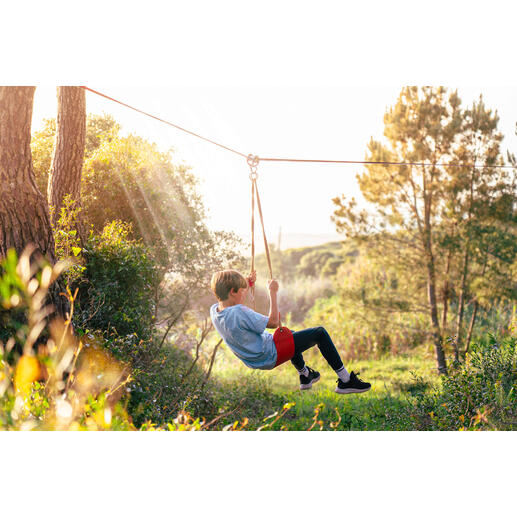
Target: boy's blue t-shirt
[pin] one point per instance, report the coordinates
(244, 331)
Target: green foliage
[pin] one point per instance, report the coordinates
(313, 262)
(163, 383)
(66, 384)
(128, 178)
(369, 312)
(42, 143)
(67, 239)
(99, 128)
(117, 287)
(479, 394)
(305, 275)
(146, 263)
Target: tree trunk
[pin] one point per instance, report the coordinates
(437, 336)
(446, 294)
(461, 304)
(24, 215)
(67, 159)
(471, 326)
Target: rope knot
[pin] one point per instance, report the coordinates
(253, 162)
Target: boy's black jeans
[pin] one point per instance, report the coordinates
(305, 339)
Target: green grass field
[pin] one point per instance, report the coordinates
(258, 394)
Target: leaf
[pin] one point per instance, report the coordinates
(76, 250)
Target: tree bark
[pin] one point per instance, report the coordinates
(68, 155)
(471, 326)
(433, 306)
(446, 294)
(461, 303)
(24, 214)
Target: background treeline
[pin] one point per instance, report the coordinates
(362, 302)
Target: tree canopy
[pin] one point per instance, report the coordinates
(427, 221)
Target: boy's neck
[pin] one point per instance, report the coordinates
(227, 303)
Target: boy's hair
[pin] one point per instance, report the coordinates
(224, 281)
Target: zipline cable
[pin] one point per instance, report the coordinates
(164, 121)
(475, 165)
(296, 160)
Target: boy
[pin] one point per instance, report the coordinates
(244, 331)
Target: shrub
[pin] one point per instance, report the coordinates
(116, 290)
(479, 394)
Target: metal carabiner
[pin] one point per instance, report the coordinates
(253, 162)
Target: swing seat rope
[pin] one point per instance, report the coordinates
(283, 337)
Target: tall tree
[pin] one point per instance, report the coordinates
(24, 214)
(420, 128)
(473, 191)
(449, 226)
(67, 159)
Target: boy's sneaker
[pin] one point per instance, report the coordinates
(354, 385)
(307, 382)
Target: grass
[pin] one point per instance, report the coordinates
(387, 406)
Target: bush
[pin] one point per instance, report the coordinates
(164, 380)
(116, 290)
(479, 394)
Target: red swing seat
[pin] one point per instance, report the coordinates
(284, 343)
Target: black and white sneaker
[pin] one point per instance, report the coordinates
(307, 382)
(354, 385)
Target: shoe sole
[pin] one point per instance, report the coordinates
(346, 391)
(309, 386)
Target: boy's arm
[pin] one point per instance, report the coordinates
(274, 317)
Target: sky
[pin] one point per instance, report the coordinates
(332, 123)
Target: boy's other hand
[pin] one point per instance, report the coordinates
(252, 278)
(273, 286)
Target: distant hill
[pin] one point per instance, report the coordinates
(293, 240)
